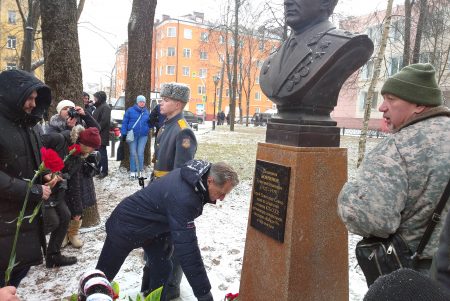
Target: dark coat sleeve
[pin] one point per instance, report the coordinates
(90, 121)
(186, 146)
(73, 195)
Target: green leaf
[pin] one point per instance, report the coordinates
(155, 295)
(138, 297)
(74, 297)
(115, 287)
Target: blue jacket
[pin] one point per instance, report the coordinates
(131, 115)
(159, 208)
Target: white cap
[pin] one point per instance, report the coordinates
(64, 103)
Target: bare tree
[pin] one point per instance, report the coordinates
(407, 36)
(419, 31)
(140, 36)
(62, 70)
(374, 81)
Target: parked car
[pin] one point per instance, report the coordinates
(117, 111)
(237, 120)
(191, 119)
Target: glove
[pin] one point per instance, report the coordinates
(124, 138)
(207, 297)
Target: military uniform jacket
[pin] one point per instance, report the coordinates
(175, 145)
(314, 64)
(400, 182)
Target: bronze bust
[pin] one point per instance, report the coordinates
(305, 75)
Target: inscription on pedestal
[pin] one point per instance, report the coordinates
(269, 200)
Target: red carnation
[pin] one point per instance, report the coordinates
(51, 160)
(74, 149)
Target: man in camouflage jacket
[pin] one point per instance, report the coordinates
(402, 179)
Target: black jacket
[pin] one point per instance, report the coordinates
(159, 208)
(19, 158)
(103, 116)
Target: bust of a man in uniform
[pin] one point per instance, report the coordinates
(305, 75)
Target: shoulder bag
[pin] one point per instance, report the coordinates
(130, 133)
(380, 256)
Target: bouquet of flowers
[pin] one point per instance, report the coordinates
(231, 297)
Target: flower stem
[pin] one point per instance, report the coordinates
(12, 258)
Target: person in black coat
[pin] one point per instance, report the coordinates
(102, 114)
(160, 219)
(62, 124)
(23, 101)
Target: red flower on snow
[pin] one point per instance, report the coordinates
(74, 149)
(51, 160)
(230, 296)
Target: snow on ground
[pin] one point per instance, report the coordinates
(221, 229)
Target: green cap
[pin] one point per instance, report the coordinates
(415, 83)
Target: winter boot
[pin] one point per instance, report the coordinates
(58, 260)
(72, 232)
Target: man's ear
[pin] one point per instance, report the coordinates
(419, 109)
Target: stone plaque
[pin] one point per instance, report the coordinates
(269, 199)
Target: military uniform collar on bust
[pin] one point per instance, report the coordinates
(320, 29)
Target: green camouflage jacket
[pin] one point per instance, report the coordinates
(400, 182)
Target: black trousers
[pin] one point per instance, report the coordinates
(116, 249)
(17, 274)
(56, 222)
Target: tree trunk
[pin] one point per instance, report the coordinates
(91, 217)
(373, 82)
(419, 32)
(62, 69)
(31, 21)
(407, 38)
(235, 63)
(140, 35)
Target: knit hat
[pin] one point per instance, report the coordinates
(175, 91)
(64, 103)
(90, 137)
(415, 83)
(405, 284)
(140, 98)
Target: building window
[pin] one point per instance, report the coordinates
(11, 17)
(201, 90)
(396, 30)
(204, 37)
(374, 33)
(395, 64)
(257, 95)
(367, 71)
(203, 72)
(11, 66)
(187, 52)
(257, 80)
(257, 110)
(186, 71)
(171, 32)
(203, 55)
(170, 70)
(161, 53)
(363, 99)
(261, 45)
(221, 40)
(11, 43)
(171, 51)
(188, 34)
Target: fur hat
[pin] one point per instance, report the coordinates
(90, 137)
(175, 91)
(140, 98)
(64, 103)
(415, 83)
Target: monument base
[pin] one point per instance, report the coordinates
(302, 135)
(311, 261)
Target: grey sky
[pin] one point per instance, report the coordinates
(103, 26)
